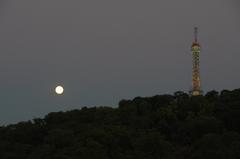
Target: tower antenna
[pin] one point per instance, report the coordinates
(196, 34)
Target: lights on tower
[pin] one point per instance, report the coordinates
(196, 82)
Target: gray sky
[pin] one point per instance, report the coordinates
(104, 51)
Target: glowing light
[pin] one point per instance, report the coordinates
(59, 90)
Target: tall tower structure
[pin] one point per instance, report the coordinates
(196, 82)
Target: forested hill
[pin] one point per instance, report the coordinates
(160, 127)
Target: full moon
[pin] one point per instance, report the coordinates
(59, 90)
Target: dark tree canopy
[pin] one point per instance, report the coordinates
(158, 127)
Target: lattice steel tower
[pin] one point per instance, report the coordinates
(196, 82)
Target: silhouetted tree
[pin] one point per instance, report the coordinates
(159, 127)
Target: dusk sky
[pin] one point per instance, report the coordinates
(104, 51)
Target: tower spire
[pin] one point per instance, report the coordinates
(196, 34)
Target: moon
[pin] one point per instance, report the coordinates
(59, 90)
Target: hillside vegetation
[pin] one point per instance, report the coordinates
(160, 127)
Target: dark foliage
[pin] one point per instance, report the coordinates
(160, 127)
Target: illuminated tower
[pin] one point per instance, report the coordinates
(196, 83)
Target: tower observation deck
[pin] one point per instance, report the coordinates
(196, 82)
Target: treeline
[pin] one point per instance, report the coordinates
(160, 127)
